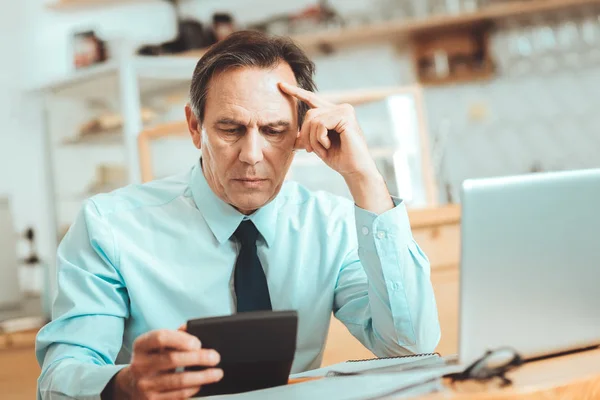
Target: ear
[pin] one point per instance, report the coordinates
(194, 126)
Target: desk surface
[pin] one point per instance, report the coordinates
(575, 376)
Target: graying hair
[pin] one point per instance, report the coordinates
(250, 49)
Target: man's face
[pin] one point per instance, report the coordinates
(248, 135)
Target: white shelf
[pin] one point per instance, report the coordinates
(102, 81)
(166, 68)
(96, 139)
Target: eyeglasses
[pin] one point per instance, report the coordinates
(494, 364)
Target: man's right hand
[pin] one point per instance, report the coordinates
(156, 355)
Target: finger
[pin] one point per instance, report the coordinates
(314, 142)
(303, 141)
(166, 339)
(183, 380)
(170, 360)
(178, 394)
(323, 136)
(310, 98)
(182, 328)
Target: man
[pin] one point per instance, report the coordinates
(230, 236)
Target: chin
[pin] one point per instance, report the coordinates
(250, 201)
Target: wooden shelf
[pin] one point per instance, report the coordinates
(107, 138)
(158, 70)
(74, 4)
(484, 75)
(406, 29)
(398, 30)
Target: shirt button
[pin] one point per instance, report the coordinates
(395, 286)
(381, 235)
(365, 230)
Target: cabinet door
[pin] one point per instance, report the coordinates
(446, 287)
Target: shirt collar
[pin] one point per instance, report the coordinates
(222, 218)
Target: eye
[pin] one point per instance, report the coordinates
(270, 131)
(231, 130)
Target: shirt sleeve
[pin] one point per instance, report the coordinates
(78, 348)
(384, 294)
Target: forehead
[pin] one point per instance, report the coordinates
(250, 93)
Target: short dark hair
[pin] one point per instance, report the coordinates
(250, 49)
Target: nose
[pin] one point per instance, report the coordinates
(252, 147)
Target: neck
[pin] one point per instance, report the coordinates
(212, 185)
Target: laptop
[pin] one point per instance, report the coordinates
(530, 264)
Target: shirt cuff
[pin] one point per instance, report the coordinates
(86, 382)
(391, 225)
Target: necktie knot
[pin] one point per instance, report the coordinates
(246, 233)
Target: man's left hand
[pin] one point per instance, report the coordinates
(333, 133)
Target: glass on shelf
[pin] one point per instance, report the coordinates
(544, 46)
(589, 25)
(395, 10)
(420, 8)
(568, 39)
(357, 19)
(518, 47)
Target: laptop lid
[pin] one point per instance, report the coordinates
(530, 263)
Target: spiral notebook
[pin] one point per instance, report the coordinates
(376, 366)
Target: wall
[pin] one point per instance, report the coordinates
(17, 150)
(539, 114)
(496, 128)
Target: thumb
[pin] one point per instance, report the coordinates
(182, 328)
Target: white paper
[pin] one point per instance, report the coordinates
(361, 366)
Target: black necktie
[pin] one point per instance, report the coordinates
(250, 282)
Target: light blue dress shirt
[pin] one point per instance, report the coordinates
(153, 256)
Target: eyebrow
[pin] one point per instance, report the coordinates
(274, 124)
(280, 123)
(229, 121)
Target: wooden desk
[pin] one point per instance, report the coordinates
(576, 376)
(572, 377)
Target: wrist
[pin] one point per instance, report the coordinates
(362, 176)
(370, 192)
(363, 180)
(121, 389)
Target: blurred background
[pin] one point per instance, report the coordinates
(92, 95)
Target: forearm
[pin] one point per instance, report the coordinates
(402, 303)
(393, 310)
(369, 191)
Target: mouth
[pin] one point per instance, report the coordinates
(250, 182)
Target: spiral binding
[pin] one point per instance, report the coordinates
(390, 358)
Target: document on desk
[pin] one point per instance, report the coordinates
(354, 387)
(376, 365)
(386, 378)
